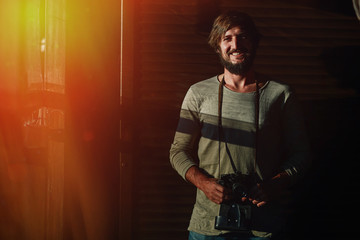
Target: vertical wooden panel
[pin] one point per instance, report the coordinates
(54, 84)
(55, 46)
(127, 112)
(44, 112)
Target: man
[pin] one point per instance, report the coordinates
(239, 122)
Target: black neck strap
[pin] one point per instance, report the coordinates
(220, 127)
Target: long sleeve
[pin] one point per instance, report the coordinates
(183, 149)
(297, 149)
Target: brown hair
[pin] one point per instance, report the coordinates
(229, 20)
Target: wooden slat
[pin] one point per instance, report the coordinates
(55, 82)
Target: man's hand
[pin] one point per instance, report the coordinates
(258, 196)
(213, 191)
(273, 189)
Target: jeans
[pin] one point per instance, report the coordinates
(197, 236)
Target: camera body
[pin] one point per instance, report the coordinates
(235, 215)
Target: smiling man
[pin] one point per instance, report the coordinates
(240, 140)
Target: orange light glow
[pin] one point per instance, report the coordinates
(60, 61)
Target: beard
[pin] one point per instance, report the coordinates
(238, 68)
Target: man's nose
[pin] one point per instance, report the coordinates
(234, 43)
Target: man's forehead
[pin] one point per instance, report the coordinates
(235, 30)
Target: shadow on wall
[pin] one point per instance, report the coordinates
(326, 203)
(343, 63)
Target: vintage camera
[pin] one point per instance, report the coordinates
(235, 215)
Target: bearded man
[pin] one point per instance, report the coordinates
(240, 140)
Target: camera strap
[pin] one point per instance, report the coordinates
(220, 127)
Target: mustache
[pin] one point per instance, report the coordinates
(239, 50)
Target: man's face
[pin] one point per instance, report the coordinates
(236, 51)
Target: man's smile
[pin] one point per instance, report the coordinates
(237, 55)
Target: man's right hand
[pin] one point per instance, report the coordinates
(211, 188)
(214, 191)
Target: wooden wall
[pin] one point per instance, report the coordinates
(172, 54)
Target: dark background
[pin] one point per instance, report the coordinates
(311, 45)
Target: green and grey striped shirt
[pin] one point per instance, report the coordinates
(282, 142)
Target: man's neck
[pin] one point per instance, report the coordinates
(240, 83)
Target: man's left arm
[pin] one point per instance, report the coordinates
(297, 156)
(296, 144)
